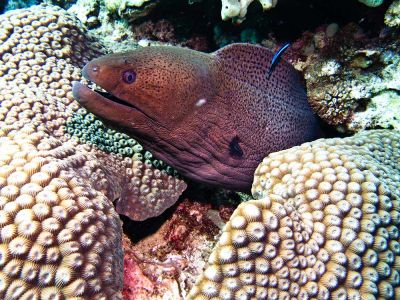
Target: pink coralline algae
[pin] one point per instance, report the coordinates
(166, 263)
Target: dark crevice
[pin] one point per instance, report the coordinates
(286, 22)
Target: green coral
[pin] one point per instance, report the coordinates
(372, 3)
(392, 16)
(88, 128)
(247, 35)
(16, 4)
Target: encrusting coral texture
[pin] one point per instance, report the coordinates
(324, 225)
(60, 236)
(353, 83)
(166, 264)
(392, 16)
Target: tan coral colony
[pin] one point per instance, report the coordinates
(324, 225)
(60, 236)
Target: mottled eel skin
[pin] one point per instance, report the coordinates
(211, 116)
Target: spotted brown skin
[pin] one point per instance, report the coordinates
(211, 116)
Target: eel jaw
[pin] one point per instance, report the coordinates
(108, 107)
(98, 102)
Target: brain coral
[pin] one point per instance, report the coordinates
(324, 225)
(60, 236)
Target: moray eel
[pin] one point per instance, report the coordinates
(213, 117)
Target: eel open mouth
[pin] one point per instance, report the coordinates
(100, 102)
(115, 99)
(80, 87)
(106, 105)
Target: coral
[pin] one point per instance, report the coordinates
(129, 9)
(87, 12)
(165, 264)
(89, 129)
(111, 20)
(353, 81)
(55, 190)
(324, 225)
(161, 30)
(372, 3)
(247, 35)
(392, 16)
(238, 9)
(109, 28)
(53, 224)
(303, 51)
(16, 4)
(198, 43)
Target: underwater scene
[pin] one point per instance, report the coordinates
(200, 149)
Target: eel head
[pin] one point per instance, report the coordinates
(166, 98)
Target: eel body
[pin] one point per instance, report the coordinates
(213, 117)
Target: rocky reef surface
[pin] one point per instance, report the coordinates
(354, 84)
(324, 222)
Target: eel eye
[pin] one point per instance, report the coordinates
(129, 76)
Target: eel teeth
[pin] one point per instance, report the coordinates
(93, 86)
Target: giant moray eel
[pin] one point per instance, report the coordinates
(211, 116)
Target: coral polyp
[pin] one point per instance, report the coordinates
(60, 233)
(323, 225)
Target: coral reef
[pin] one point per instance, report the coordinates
(329, 210)
(392, 16)
(352, 81)
(303, 52)
(238, 9)
(87, 12)
(116, 31)
(247, 35)
(324, 225)
(89, 129)
(160, 31)
(111, 15)
(372, 3)
(56, 191)
(111, 20)
(129, 9)
(166, 264)
(16, 4)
